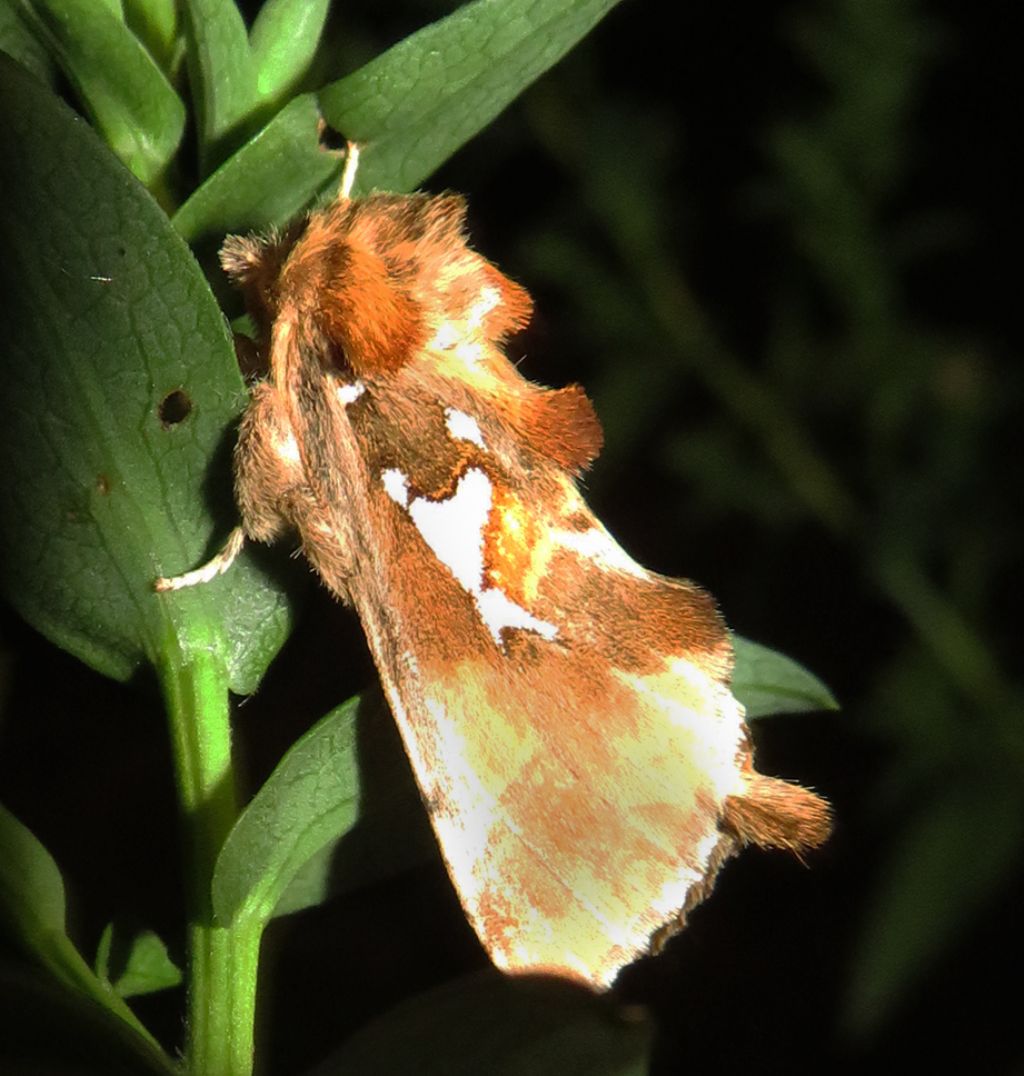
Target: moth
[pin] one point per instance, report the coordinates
(567, 713)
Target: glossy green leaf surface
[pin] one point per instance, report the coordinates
(284, 38)
(121, 389)
(310, 797)
(32, 915)
(31, 888)
(20, 43)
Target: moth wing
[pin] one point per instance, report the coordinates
(576, 743)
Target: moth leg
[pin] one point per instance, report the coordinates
(205, 572)
(269, 482)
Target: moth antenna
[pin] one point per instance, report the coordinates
(348, 175)
(218, 565)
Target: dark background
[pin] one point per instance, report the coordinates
(767, 240)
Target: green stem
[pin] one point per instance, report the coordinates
(222, 959)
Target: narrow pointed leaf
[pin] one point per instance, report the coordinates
(311, 797)
(767, 682)
(274, 176)
(20, 43)
(412, 107)
(31, 888)
(339, 810)
(156, 24)
(221, 72)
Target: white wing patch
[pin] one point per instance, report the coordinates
(454, 530)
(350, 392)
(396, 486)
(600, 547)
(463, 427)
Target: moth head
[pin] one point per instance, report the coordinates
(253, 263)
(382, 276)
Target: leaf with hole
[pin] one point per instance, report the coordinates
(121, 389)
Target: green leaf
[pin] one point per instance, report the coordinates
(310, 798)
(222, 75)
(945, 864)
(139, 965)
(121, 387)
(128, 97)
(410, 125)
(392, 832)
(32, 909)
(18, 42)
(502, 1026)
(45, 1028)
(336, 775)
(31, 888)
(284, 39)
(412, 107)
(268, 181)
(767, 682)
(155, 23)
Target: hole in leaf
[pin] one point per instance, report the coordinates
(331, 140)
(174, 408)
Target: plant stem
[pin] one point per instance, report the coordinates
(222, 959)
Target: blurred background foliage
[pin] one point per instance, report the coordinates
(768, 239)
(764, 238)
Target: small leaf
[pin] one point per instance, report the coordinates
(140, 965)
(392, 833)
(298, 840)
(222, 74)
(487, 1023)
(311, 797)
(31, 888)
(121, 387)
(767, 682)
(412, 107)
(128, 97)
(32, 910)
(268, 181)
(284, 39)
